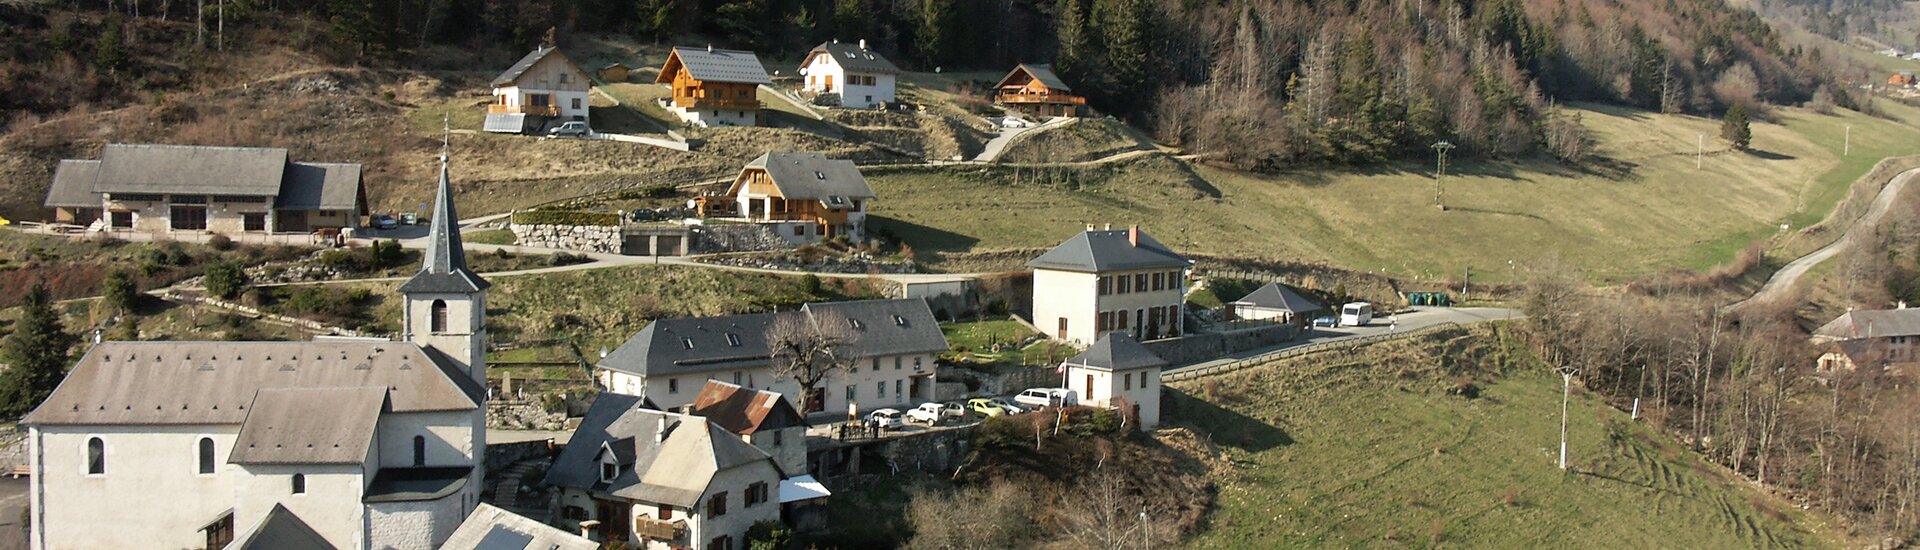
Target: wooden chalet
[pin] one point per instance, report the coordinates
(714, 87)
(1035, 90)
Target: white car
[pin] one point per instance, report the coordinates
(1040, 398)
(926, 413)
(885, 418)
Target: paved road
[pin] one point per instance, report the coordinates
(999, 143)
(1784, 279)
(13, 506)
(1416, 319)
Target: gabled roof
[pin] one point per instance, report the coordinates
(1042, 73)
(852, 58)
(1276, 296)
(191, 169)
(309, 426)
(527, 62)
(1095, 251)
(491, 528)
(280, 530)
(321, 186)
(73, 185)
(885, 327)
(1872, 323)
(810, 176)
(744, 411)
(445, 265)
(1117, 351)
(711, 65)
(674, 471)
(695, 344)
(118, 383)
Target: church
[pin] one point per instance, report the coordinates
(365, 443)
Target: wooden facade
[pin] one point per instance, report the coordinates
(692, 93)
(1026, 91)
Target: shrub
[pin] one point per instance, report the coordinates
(119, 290)
(659, 191)
(769, 535)
(388, 253)
(810, 284)
(220, 242)
(225, 279)
(566, 258)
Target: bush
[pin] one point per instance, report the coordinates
(220, 242)
(564, 258)
(119, 290)
(660, 191)
(225, 280)
(769, 535)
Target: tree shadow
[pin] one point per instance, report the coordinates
(1496, 212)
(919, 236)
(1769, 155)
(1222, 425)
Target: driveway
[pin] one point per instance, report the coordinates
(13, 508)
(1413, 320)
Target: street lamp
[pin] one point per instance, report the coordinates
(1146, 535)
(1566, 376)
(1440, 169)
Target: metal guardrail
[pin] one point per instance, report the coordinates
(1298, 351)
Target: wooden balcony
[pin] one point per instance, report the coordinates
(696, 103)
(1050, 99)
(536, 110)
(664, 531)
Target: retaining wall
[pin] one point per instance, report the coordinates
(591, 238)
(1201, 347)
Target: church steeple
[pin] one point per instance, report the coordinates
(447, 302)
(445, 268)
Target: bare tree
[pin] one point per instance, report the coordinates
(973, 518)
(807, 348)
(1105, 513)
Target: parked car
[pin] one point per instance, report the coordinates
(885, 418)
(1328, 321)
(1008, 405)
(383, 221)
(985, 407)
(575, 129)
(927, 413)
(953, 409)
(1040, 398)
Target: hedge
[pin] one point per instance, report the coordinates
(565, 217)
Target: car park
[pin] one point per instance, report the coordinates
(985, 407)
(885, 418)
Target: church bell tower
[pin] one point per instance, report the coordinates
(446, 303)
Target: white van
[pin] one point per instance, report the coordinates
(1356, 314)
(1040, 398)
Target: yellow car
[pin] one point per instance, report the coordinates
(985, 407)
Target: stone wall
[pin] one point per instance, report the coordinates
(1212, 345)
(939, 452)
(589, 238)
(736, 237)
(499, 456)
(523, 415)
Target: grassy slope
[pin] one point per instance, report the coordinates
(1345, 451)
(1661, 213)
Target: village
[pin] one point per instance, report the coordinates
(706, 297)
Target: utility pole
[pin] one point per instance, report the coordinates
(1566, 377)
(1146, 534)
(1440, 170)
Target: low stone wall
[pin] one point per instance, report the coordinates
(502, 455)
(590, 238)
(524, 415)
(938, 452)
(736, 237)
(1201, 347)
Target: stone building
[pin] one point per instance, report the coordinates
(173, 189)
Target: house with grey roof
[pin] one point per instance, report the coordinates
(849, 75)
(1036, 90)
(330, 443)
(491, 528)
(661, 480)
(1118, 372)
(891, 345)
(803, 197)
(762, 418)
(171, 189)
(542, 88)
(1110, 280)
(1275, 301)
(714, 87)
(1887, 338)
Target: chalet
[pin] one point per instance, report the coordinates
(1887, 338)
(340, 443)
(490, 528)
(1902, 79)
(892, 346)
(1119, 373)
(714, 87)
(1035, 90)
(1277, 302)
(1104, 281)
(165, 189)
(803, 197)
(543, 88)
(857, 77)
(656, 480)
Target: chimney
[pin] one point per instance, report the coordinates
(1133, 235)
(587, 527)
(1109, 227)
(1089, 227)
(709, 48)
(1903, 304)
(863, 44)
(660, 434)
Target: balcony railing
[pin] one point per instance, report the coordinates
(665, 531)
(1043, 98)
(536, 110)
(717, 103)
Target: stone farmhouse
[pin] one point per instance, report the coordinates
(1102, 281)
(1035, 90)
(1118, 373)
(366, 443)
(892, 349)
(855, 77)
(660, 480)
(1883, 338)
(802, 197)
(543, 87)
(197, 189)
(714, 87)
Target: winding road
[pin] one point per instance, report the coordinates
(1783, 280)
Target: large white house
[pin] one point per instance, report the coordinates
(659, 480)
(544, 86)
(892, 346)
(1118, 373)
(1104, 281)
(860, 78)
(364, 443)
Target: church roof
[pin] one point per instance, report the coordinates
(446, 270)
(309, 426)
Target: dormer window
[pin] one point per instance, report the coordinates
(608, 471)
(733, 339)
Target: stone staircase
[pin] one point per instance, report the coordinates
(506, 489)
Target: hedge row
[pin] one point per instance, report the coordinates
(565, 217)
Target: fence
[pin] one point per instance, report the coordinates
(1297, 351)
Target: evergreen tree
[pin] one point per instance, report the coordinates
(656, 19)
(931, 30)
(746, 21)
(1127, 32)
(36, 354)
(225, 280)
(108, 54)
(1735, 129)
(119, 291)
(1070, 30)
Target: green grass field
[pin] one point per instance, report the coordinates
(1644, 209)
(1372, 450)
